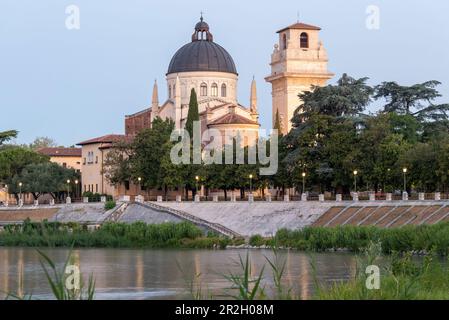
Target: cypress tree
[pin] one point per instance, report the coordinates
(193, 114)
(277, 123)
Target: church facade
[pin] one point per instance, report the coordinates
(297, 63)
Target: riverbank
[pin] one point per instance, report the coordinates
(417, 239)
(110, 235)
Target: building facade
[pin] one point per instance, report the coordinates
(298, 62)
(65, 157)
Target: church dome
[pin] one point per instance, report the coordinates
(202, 54)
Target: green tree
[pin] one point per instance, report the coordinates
(43, 142)
(7, 135)
(42, 178)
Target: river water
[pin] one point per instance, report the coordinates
(164, 274)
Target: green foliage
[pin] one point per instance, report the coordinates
(5, 136)
(256, 240)
(193, 114)
(402, 278)
(41, 178)
(356, 238)
(247, 286)
(116, 235)
(57, 280)
(109, 205)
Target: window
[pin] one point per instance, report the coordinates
(96, 159)
(284, 41)
(304, 40)
(64, 165)
(90, 157)
(169, 91)
(223, 90)
(84, 160)
(96, 188)
(214, 90)
(203, 89)
(85, 188)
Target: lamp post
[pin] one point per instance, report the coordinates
(20, 190)
(76, 188)
(355, 180)
(68, 188)
(197, 178)
(303, 182)
(250, 183)
(140, 185)
(404, 171)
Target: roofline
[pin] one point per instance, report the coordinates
(305, 27)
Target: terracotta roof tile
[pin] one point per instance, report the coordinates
(232, 118)
(300, 25)
(110, 138)
(60, 152)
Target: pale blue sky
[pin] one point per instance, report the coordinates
(75, 85)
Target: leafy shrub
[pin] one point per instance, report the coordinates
(109, 205)
(256, 240)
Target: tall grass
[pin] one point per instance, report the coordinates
(112, 234)
(356, 238)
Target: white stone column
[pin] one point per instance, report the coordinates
(268, 197)
(437, 196)
(36, 203)
(215, 198)
(355, 196)
(321, 198)
(159, 199)
(52, 202)
(404, 196)
(372, 196)
(20, 202)
(304, 197)
(233, 197)
(286, 198)
(389, 197)
(103, 199)
(197, 198)
(338, 197)
(421, 196)
(85, 199)
(178, 198)
(68, 200)
(251, 197)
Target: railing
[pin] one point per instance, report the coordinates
(187, 216)
(116, 213)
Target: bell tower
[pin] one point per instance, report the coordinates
(298, 61)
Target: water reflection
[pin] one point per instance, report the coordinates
(161, 274)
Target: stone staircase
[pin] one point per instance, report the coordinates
(191, 218)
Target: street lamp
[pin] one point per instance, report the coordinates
(20, 190)
(404, 170)
(76, 188)
(197, 179)
(303, 182)
(355, 180)
(68, 188)
(251, 183)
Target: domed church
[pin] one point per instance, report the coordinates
(207, 67)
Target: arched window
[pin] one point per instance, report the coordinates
(304, 40)
(203, 89)
(223, 90)
(214, 90)
(169, 91)
(284, 41)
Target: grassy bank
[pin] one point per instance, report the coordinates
(404, 239)
(113, 235)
